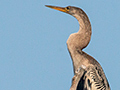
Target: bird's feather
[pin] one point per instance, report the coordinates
(92, 80)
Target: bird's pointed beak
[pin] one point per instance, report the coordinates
(57, 8)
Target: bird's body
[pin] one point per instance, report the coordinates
(88, 74)
(92, 72)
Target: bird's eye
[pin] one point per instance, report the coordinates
(67, 8)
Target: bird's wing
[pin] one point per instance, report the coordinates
(93, 79)
(78, 77)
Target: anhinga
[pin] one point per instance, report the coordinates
(88, 73)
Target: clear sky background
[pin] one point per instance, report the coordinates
(33, 51)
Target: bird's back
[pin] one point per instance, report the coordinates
(93, 77)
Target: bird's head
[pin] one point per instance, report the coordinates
(74, 11)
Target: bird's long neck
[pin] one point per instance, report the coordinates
(82, 38)
(84, 23)
(77, 41)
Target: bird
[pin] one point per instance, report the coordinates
(88, 73)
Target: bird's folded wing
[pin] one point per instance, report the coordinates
(89, 79)
(78, 77)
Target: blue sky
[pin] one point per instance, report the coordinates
(33, 51)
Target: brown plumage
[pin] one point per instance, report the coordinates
(88, 74)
